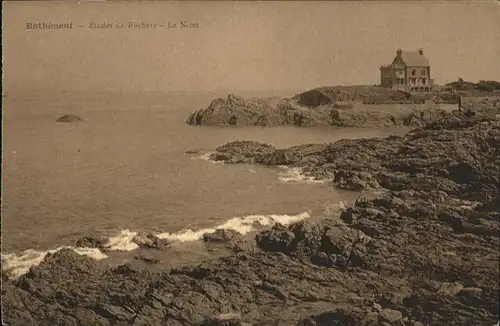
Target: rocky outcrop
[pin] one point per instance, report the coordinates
(69, 118)
(459, 155)
(221, 236)
(150, 241)
(422, 250)
(229, 319)
(241, 151)
(334, 106)
(93, 240)
(291, 111)
(236, 110)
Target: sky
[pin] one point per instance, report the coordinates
(242, 45)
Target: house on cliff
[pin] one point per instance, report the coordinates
(410, 71)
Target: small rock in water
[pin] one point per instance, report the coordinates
(69, 118)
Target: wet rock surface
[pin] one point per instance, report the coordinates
(150, 241)
(423, 250)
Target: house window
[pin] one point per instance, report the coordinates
(423, 72)
(423, 81)
(413, 72)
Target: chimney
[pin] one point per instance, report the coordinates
(421, 51)
(399, 52)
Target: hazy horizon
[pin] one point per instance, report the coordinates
(243, 46)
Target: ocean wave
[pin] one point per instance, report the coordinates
(243, 225)
(19, 264)
(296, 175)
(124, 241)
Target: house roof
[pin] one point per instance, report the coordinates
(415, 59)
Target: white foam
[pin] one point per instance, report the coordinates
(331, 209)
(296, 175)
(19, 264)
(123, 241)
(243, 225)
(287, 174)
(206, 157)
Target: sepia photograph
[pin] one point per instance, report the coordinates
(247, 163)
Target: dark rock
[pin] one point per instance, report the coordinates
(150, 260)
(113, 312)
(470, 292)
(340, 317)
(57, 264)
(241, 152)
(150, 241)
(193, 151)
(93, 240)
(69, 118)
(371, 318)
(389, 315)
(277, 239)
(279, 157)
(490, 206)
(235, 110)
(230, 319)
(450, 288)
(221, 235)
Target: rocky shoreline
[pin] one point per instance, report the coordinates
(418, 247)
(335, 106)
